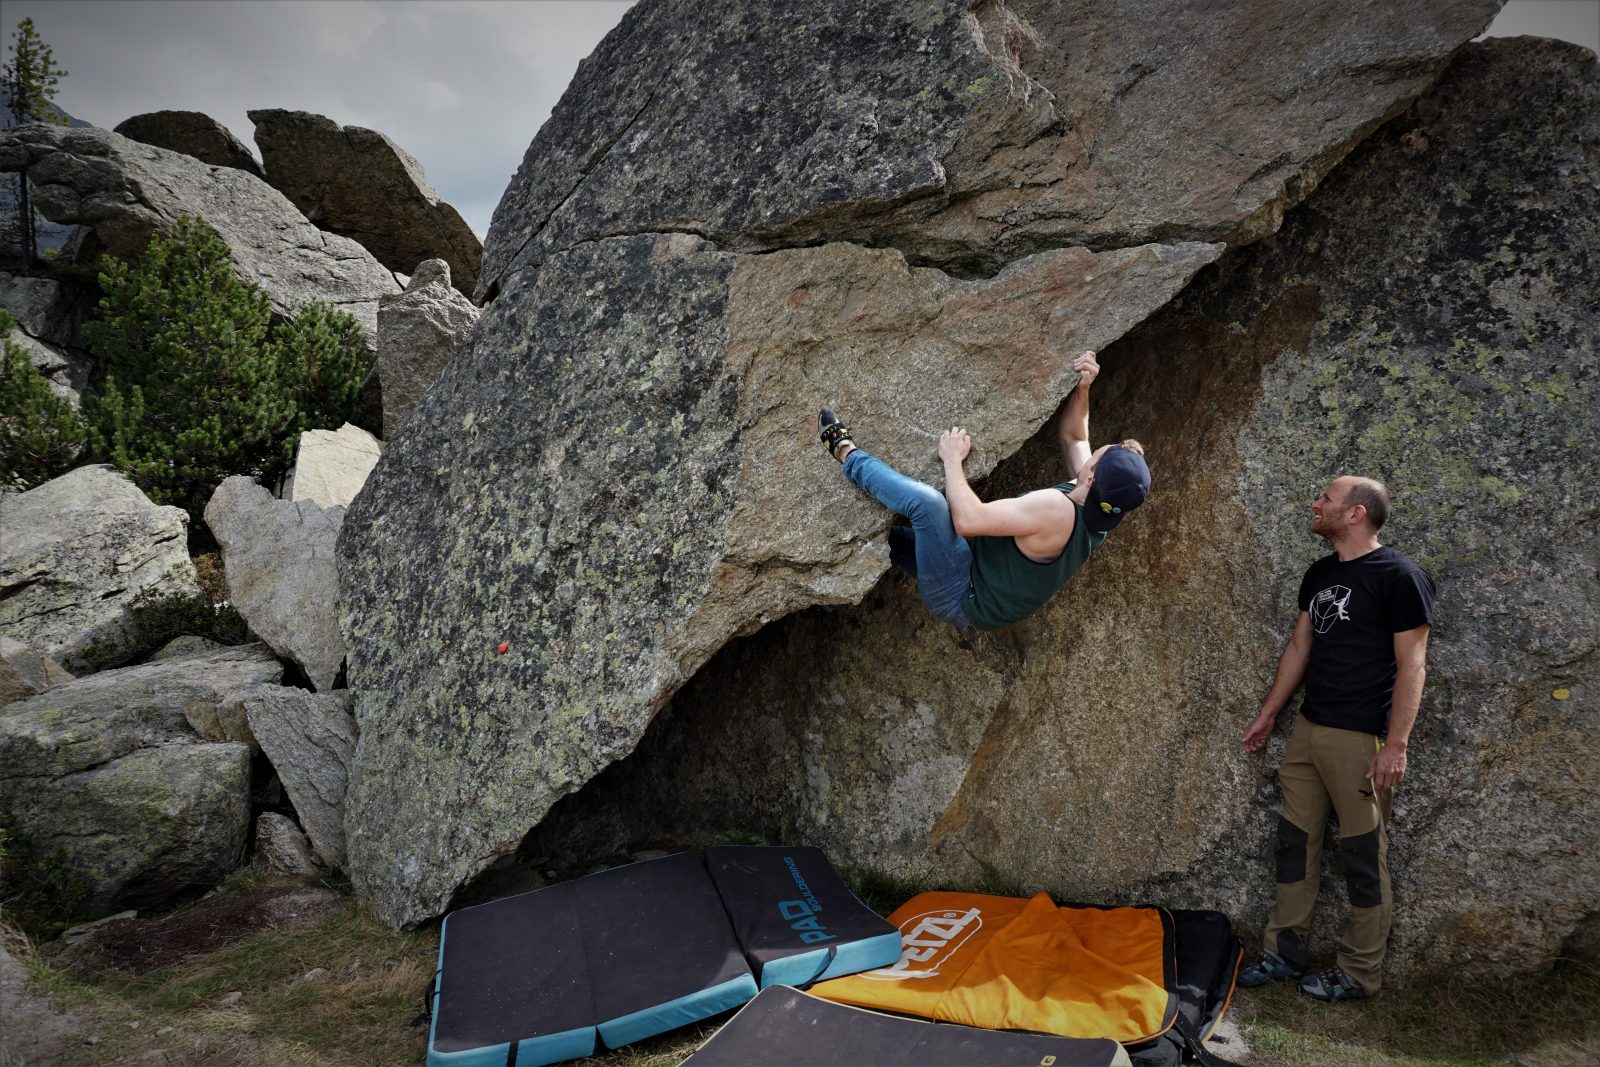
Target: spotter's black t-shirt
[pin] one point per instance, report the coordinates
(1356, 608)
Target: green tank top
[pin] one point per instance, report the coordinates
(1007, 586)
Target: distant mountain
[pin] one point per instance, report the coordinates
(51, 235)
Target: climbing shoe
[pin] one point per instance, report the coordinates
(833, 433)
(1265, 968)
(1332, 984)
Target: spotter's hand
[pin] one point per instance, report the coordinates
(954, 444)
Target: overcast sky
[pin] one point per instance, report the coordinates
(460, 84)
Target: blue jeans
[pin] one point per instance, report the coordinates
(931, 551)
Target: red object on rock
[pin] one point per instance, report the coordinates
(502, 647)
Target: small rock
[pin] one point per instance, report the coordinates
(228, 1000)
(316, 974)
(84, 931)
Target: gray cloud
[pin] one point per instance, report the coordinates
(462, 86)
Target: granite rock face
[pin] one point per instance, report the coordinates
(1426, 317)
(419, 331)
(104, 774)
(965, 133)
(128, 191)
(194, 134)
(331, 466)
(278, 555)
(309, 737)
(24, 671)
(50, 315)
(76, 552)
(281, 844)
(358, 183)
(618, 472)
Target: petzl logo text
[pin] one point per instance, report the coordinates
(928, 941)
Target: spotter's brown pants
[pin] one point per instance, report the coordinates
(1324, 772)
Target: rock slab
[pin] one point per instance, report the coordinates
(193, 133)
(76, 553)
(357, 183)
(331, 466)
(309, 737)
(278, 555)
(128, 191)
(419, 331)
(965, 134)
(104, 774)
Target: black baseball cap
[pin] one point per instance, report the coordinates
(1121, 482)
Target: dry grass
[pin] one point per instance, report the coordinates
(1552, 1020)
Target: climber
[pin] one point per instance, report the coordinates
(990, 564)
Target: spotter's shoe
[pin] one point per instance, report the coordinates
(1267, 967)
(1332, 984)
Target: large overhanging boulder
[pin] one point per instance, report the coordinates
(76, 555)
(104, 776)
(358, 183)
(129, 191)
(965, 132)
(1426, 317)
(618, 472)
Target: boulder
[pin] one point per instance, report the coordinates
(419, 331)
(104, 775)
(193, 133)
(76, 553)
(618, 471)
(331, 466)
(278, 555)
(50, 315)
(309, 737)
(621, 473)
(185, 645)
(358, 183)
(128, 191)
(1426, 317)
(281, 844)
(24, 671)
(965, 134)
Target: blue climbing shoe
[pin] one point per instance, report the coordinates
(1267, 967)
(1332, 984)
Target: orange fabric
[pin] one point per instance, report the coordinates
(1011, 964)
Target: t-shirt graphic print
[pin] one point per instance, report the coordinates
(1356, 607)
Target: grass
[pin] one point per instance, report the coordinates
(345, 990)
(1551, 1019)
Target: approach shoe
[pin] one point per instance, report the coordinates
(1332, 984)
(1267, 967)
(833, 433)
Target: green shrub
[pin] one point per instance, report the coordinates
(41, 434)
(41, 895)
(154, 620)
(198, 384)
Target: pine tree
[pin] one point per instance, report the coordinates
(30, 80)
(41, 434)
(192, 389)
(324, 361)
(198, 384)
